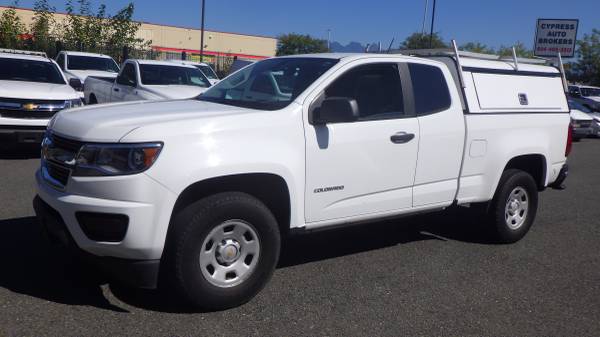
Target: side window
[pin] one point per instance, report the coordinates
(61, 61)
(377, 89)
(128, 75)
(430, 89)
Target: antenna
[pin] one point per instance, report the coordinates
(391, 43)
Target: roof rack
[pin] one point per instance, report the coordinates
(467, 54)
(23, 52)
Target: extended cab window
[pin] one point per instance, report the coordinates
(377, 89)
(431, 91)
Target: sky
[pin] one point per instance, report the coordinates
(491, 22)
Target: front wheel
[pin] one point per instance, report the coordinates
(223, 250)
(514, 206)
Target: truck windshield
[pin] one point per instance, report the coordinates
(76, 62)
(153, 74)
(270, 84)
(29, 71)
(207, 70)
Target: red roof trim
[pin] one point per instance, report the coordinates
(206, 52)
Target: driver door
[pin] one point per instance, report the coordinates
(364, 167)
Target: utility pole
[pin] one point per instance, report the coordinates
(424, 17)
(432, 24)
(202, 33)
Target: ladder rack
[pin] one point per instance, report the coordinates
(23, 52)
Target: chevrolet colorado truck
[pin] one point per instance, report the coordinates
(32, 90)
(147, 80)
(196, 195)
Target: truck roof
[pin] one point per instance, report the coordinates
(24, 57)
(80, 53)
(499, 64)
(162, 63)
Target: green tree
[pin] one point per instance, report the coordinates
(74, 35)
(423, 41)
(587, 67)
(477, 47)
(42, 26)
(11, 28)
(122, 32)
(292, 44)
(520, 49)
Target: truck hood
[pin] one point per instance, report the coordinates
(175, 91)
(83, 74)
(579, 115)
(36, 90)
(111, 122)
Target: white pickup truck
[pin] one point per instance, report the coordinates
(206, 189)
(147, 80)
(32, 90)
(81, 65)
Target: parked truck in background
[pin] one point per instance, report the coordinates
(205, 68)
(204, 190)
(147, 80)
(80, 65)
(32, 90)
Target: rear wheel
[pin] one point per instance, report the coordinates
(223, 249)
(514, 206)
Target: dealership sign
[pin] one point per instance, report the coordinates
(555, 36)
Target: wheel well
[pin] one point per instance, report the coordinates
(534, 164)
(93, 99)
(271, 189)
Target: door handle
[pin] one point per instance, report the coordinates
(116, 89)
(402, 137)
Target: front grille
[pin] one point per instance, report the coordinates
(66, 144)
(22, 114)
(58, 172)
(58, 154)
(30, 108)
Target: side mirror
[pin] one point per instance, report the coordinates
(76, 84)
(336, 110)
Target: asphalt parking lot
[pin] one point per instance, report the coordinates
(430, 275)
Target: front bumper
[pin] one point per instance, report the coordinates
(146, 203)
(138, 273)
(582, 132)
(21, 134)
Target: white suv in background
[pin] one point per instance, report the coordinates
(32, 90)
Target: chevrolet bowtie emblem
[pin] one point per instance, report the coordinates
(30, 106)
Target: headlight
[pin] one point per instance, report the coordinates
(115, 159)
(73, 103)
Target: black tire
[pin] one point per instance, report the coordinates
(509, 230)
(93, 100)
(193, 224)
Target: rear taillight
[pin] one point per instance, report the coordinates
(569, 141)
